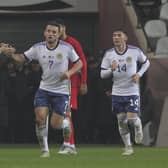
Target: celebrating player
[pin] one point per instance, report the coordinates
(121, 62)
(53, 56)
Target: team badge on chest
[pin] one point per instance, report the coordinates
(59, 56)
(129, 59)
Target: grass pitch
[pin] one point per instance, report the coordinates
(20, 156)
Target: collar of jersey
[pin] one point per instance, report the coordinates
(52, 48)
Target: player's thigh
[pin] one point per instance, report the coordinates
(41, 114)
(132, 115)
(60, 105)
(56, 120)
(118, 106)
(41, 104)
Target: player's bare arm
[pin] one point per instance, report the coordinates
(76, 68)
(20, 58)
(9, 51)
(83, 89)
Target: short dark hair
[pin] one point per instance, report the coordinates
(60, 21)
(53, 23)
(121, 30)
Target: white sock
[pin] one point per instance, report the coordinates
(72, 145)
(66, 143)
(123, 129)
(126, 139)
(136, 122)
(66, 128)
(66, 123)
(42, 135)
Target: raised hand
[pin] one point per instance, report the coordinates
(114, 65)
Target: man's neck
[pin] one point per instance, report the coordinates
(52, 45)
(121, 48)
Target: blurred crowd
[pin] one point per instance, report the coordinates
(17, 88)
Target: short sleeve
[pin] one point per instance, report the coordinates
(31, 54)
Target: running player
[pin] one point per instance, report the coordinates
(121, 62)
(53, 56)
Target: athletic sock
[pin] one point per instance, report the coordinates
(42, 135)
(123, 129)
(126, 139)
(66, 129)
(71, 139)
(135, 122)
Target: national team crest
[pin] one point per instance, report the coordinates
(59, 56)
(129, 59)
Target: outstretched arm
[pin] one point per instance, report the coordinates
(9, 51)
(20, 58)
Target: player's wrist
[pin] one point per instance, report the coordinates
(139, 74)
(69, 74)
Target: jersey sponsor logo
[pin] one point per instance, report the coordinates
(121, 60)
(129, 59)
(59, 56)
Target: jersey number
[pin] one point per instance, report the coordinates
(122, 68)
(50, 63)
(134, 102)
